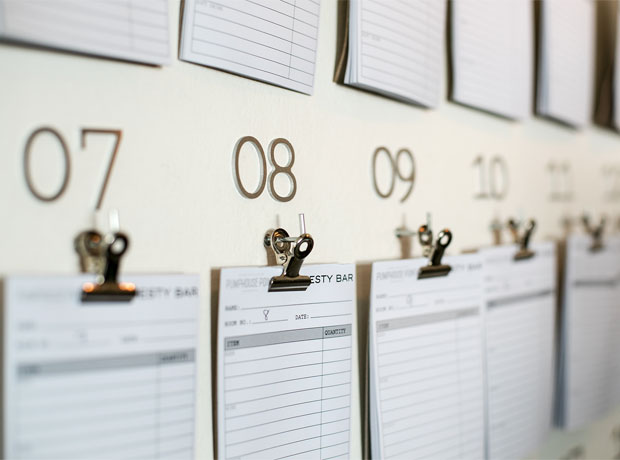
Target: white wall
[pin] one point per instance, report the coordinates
(173, 183)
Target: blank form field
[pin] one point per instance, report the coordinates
(133, 30)
(566, 61)
(520, 348)
(268, 40)
(426, 361)
(396, 49)
(285, 366)
(492, 55)
(590, 346)
(100, 381)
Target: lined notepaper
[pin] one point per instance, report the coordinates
(520, 351)
(285, 365)
(426, 381)
(269, 40)
(616, 76)
(133, 30)
(590, 383)
(492, 55)
(566, 60)
(397, 48)
(103, 380)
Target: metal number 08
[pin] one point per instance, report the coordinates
(286, 169)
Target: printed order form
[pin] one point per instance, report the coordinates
(396, 48)
(100, 380)
(426, 380)
(590, 368)
(268, 40)
(132, 30)
(284, 375)
(520, 348)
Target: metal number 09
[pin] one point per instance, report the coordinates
(395, 170)
(286, 169)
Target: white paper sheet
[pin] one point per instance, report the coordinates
(590, 367)
(492, 55)
(100, 380)
(397, 48)
(520, 348)
(566, 60)
(426, 361)
(268, 40)
(616, 80)
(285, 364)
(133, 30)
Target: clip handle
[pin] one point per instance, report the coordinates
(425, 237)
(108, 289)
(529, 230)
(289, 252)
(117, 247)
(443, 241)
(90, 247)
(435, 268)
(595, 232)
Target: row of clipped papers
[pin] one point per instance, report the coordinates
(470, 353)
(432, 341)
(270, 40)
(394, 48)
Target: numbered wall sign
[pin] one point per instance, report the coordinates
(62, 144)
(493, 181)
(286, 169)
(396, 172)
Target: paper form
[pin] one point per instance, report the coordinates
(426, 377)
(132, 30)
(616, 76)
(590, 341)
(285, 365)
(520, 348)
(269, 40)
(492, 55)
(566, 60)
(397, 48)
(100, 380)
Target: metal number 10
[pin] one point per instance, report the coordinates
(493, 182)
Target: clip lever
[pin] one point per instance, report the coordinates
(103, 256)
(595, 232)
(524, 251)
(434, 268)
(290, 252)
